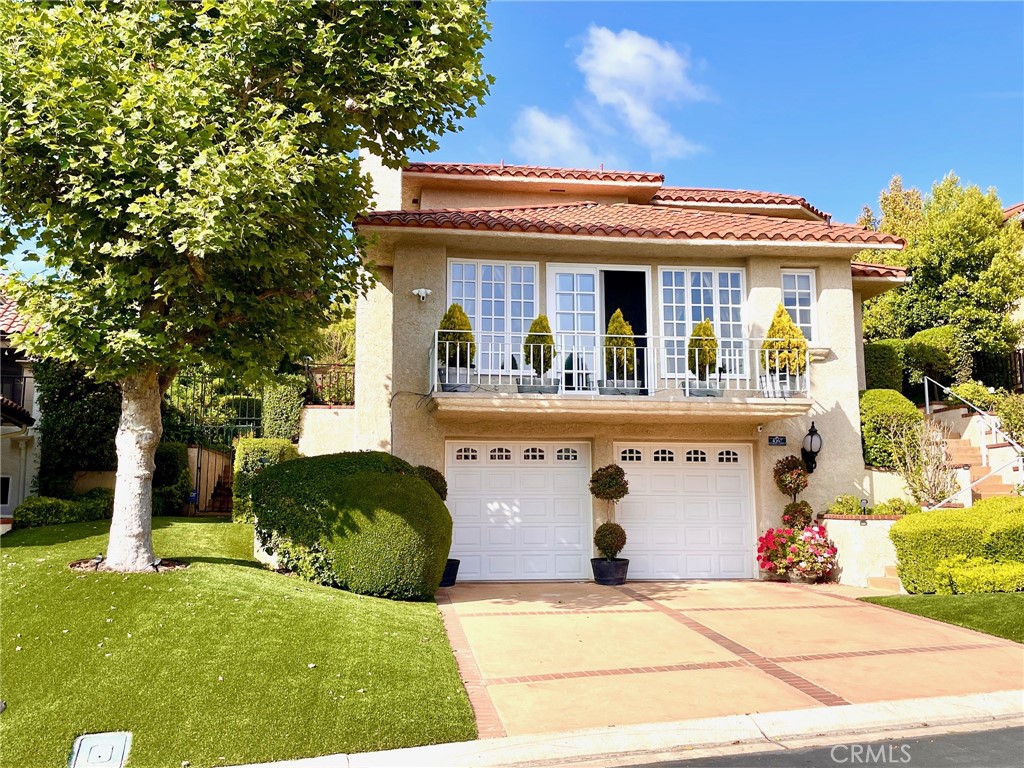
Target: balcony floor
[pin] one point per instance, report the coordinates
(577, 408)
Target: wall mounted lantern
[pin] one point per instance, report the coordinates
(811, 448)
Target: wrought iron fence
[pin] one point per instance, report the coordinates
(331, 384)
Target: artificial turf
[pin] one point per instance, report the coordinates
(1000, 614)
(218, 664)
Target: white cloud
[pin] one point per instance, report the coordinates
(635, 75)
(546, 139)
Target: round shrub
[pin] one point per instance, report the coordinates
(434, 479)
(610, 539)
(940, 353)
(976, 394)
(609, 483)
(1010, 410)
(884, 364)
(881, 411)
(381, 529)
(797, 514)
(252, 456)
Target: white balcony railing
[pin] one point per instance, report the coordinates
(587, 365)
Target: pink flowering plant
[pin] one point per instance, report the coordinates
(775, 552)
(815, 552)
(808, 552)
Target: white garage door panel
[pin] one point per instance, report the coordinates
(689, 513)
(520, 510)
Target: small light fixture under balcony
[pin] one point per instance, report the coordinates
(811, 448)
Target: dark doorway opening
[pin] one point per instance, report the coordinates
(627, 290)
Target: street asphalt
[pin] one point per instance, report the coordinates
(1002, 748)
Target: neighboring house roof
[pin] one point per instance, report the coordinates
(534, 172)
(863, 269)
(633, 221)
(10, 322)
(13, 414)
(735, 197)
(1014, 212)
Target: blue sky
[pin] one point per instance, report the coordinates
(824, 100)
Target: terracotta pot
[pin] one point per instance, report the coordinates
(795, 577)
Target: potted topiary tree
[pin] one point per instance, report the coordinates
(610, 569)
(538, 354)
(783, 353)
(456, 349)
(609, 484)
(619, 358)
(702, 358)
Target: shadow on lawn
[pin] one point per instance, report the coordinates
(217, 561)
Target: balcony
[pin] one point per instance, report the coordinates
(611, 379)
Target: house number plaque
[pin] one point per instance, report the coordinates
(776, 439)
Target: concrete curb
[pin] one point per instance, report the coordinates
(672, 740)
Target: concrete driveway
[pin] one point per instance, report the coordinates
(544, 657)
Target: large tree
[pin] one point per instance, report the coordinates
(190, 172)
(966, 267)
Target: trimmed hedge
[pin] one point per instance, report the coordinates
(172, 481)
(252, 456)
(847, 505)
(97, 504)
(368, 517)
(282, 408)
(960, 575)
(992, 529)
(884, 361)
(1010, 410)
(77, 425)
(880, 411)
(939, 353)
(897, 506)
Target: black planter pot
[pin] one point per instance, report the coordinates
(609, 573)
(451, 572)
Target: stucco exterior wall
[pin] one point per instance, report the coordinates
(328, 430)
(419, 436)
(864, 550)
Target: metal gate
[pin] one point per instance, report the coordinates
(209, 413)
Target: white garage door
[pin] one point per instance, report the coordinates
(520, 510)
(689, 512)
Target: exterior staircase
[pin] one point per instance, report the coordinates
(971, 440)
(221, 498)
(889, 582)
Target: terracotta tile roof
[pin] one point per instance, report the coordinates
(9, 320)
(633, 221)
(733, 197)
(863, 269)
(1014, 212)
(534, 172)
(14, 414)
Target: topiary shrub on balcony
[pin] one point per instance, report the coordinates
(702, 351)
(539, 346)
(456, 345)
(619, 349)
(784, 350)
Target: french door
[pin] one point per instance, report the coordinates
(577, 339)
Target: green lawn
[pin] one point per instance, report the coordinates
(1000, 614)
(211, 664)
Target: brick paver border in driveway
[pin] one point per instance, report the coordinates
(541, 657)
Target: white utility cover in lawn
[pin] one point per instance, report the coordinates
(521, 510)
(689, 513)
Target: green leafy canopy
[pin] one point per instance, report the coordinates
(190, 170)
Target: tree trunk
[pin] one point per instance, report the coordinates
(131, 530)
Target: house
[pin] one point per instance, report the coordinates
(511, 242)
(18, 415)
